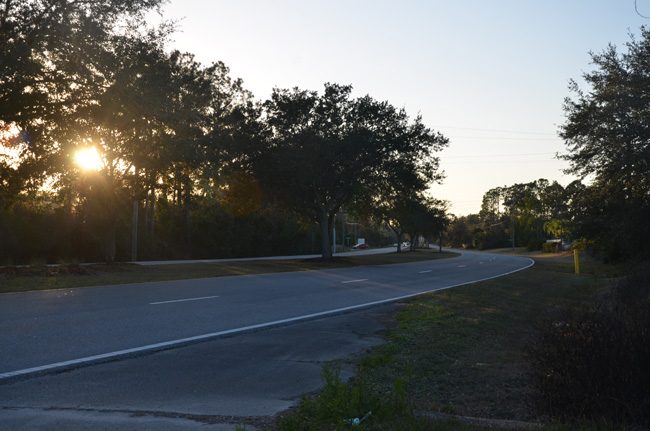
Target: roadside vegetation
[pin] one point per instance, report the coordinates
(454, 356)
(115, 147)
(593, 362)
(18, 279)
(607, 140)
(88, 172)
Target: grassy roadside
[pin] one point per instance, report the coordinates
(17, 279)
(458, 352)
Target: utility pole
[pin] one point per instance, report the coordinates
(134, 230)
(334, 236)
(344, 221)
(513, 233)
(134, 219)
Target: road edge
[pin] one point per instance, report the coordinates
(63, 366)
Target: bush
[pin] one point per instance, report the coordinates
(551, 247)
(594, 364)
(339, 402)
(535, 244)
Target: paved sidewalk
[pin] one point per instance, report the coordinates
(370, 251)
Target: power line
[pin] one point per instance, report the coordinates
(528, 132)
(636, 8)
(497, 155)
(498, 162)
(507, 138)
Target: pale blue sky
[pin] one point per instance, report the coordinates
(489, 74)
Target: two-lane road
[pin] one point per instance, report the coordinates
(42, 331)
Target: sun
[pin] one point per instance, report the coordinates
(88, 159)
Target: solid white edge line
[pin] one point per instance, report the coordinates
(354, 281)
(183, 300)
(105, 357)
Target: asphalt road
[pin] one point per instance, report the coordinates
(42, 331)
(215, 385)
(219, 383)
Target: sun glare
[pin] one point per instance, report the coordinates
(88, 159)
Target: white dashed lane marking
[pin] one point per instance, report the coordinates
(165, 345)
(354, 281)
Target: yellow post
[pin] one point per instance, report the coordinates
(576, 260)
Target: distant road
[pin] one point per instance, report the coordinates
(41, 331)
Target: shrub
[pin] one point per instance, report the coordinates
(341, 401)
(595, 364)
(550, 247)
(535, 244)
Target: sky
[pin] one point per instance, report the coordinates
(489, 75)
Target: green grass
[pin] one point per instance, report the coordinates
(339, 404)
(18, 279)
(459, 352)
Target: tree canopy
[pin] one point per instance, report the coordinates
(184, 158)
(326, 151)
(607, 134)
(536, 211)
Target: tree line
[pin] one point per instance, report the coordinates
(520, 215)
(607, 134)
(188, 162)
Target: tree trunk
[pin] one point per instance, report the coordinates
(399, 242)
(325, 229)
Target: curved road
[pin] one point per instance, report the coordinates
(45, 331)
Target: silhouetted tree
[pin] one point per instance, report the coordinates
(52, 54)
(328, 150)
(607, 134)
